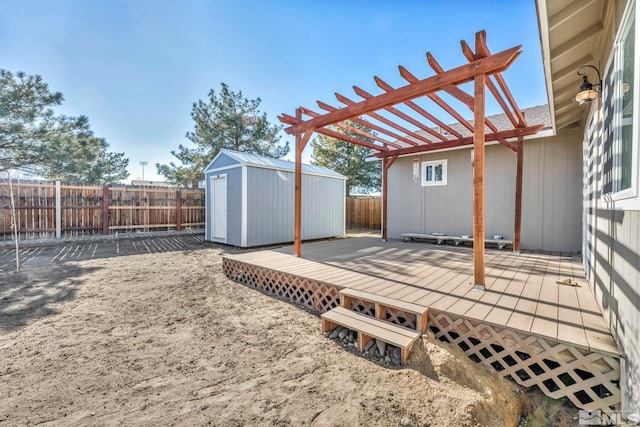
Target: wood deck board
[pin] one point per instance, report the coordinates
(522, 293)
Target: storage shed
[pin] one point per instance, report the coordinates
(250, 200)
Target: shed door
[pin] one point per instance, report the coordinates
(219, 207)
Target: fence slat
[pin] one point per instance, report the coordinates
(84, 209)
(363, 212)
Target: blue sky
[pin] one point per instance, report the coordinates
(136, 67)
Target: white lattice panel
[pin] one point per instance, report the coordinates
(589, 379)
(315, 295)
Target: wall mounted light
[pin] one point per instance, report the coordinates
(587, 93)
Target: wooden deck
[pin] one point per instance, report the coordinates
(525, 324)
(522, 293)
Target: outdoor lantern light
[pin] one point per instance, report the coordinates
(587, 93)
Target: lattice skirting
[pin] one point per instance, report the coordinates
(313, 294)
(391, 315)
(589, 379)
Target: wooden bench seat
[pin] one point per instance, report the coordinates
(383, 303)
(369, 328)
(457, 240)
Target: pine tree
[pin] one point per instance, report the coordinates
(348, 159)
(35, 140)
(226, 120)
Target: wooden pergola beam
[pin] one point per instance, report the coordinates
(415, 107)
(370, 125)
(406, 74)
(347, 127)
(287, 119)
(462, 74)
(467, 99)
(393, 110)
(454, 91)
(479, 83)
(505, 134)
(301, 142)
(378, 117)
(468, 53)
(483, 49)
(517, 223)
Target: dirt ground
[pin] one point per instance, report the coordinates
(163, 338)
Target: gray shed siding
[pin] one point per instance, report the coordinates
(551, 195)
(270, 205)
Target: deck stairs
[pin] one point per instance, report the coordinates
(392, 321)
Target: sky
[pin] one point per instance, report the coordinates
(135, 67)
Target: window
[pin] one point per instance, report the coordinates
(620, 153)
(434, 173)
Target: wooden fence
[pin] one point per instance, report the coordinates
(363, 212)
(49, 209)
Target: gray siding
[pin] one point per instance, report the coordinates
(323, 204)
(222, 161)
(271, 203)
(270, 206)
(612, 260)
(551, 195)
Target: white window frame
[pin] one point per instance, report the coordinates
(432, 182)
(629, 198)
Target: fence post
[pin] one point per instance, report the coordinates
(58, 211)
(178, 210)
(105, 210)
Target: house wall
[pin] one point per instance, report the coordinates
(613, 238)
(551, 199)
(270, 206)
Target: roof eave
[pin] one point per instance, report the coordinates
(543, 27)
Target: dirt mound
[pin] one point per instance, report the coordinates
(496, 401)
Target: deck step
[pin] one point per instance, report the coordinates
(382, 304)
(369, 328)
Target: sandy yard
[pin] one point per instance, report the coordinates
(163, 338)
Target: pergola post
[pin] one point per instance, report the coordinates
(478, 181)
(386, 164)
(517, 223)
(301, 143)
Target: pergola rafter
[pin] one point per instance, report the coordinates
(482, 68)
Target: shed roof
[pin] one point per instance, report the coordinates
(266, 162)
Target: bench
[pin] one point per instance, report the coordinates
(457, 240)
(369, 328)
(383, 303)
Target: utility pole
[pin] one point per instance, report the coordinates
(143, 164)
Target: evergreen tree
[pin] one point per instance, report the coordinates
(349, 160)
(34, 139)
(226, 120)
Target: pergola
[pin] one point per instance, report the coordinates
(484, 69)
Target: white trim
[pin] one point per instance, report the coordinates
(344, 214)
(293, 171)
(543, 23)
(244, 208)
(211, 178)
(207, 221)
(433, 163)
(224, 168)
(240, 165)
(628, 198)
